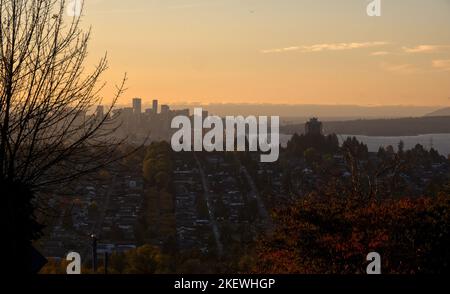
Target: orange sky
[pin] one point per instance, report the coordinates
(275, 51)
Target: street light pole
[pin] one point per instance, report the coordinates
(94, 252)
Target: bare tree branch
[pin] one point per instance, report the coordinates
(46, 134)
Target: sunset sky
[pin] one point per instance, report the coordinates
(275, 51)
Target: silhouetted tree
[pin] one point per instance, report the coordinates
(45, 92)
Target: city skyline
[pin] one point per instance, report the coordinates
(292, 52)
(328, 112)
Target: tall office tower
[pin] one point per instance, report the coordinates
(100, 111)
(314, 127)
(137, 105)
(165, 109)
(155, 106)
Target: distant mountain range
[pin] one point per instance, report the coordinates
(440, 112)
(324, 112)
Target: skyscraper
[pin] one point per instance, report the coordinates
(155, 106)
(137, 105)
(165, 109)
(314, 127)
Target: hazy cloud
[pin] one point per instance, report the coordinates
(443, 64)
(425, 48)
(405, 68)
(380, 53)
(325, 47)
(279, 50)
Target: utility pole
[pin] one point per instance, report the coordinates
(94, 252)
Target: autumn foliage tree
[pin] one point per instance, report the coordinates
(333, 234)
(333, 228)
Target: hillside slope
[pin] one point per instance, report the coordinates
(381, 127)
